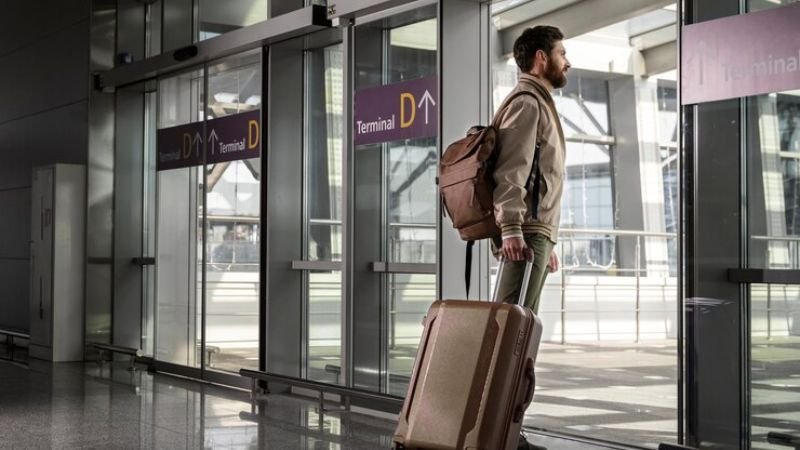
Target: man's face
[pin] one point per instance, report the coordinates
(555, 70)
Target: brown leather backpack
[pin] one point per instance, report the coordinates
(466, 184)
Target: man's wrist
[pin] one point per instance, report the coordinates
(511, 231)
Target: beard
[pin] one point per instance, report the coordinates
(555, 76)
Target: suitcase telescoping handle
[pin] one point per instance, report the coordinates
(526, 278)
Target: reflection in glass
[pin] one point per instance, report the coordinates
(323, 211)
(324, 143)
(774, 209)
(232, 226)
(409, 299)
(775, 361)
(412, 214)
(324, 293)
(762, 5)
(774, 154)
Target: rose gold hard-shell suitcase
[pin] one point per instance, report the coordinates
(473, 377)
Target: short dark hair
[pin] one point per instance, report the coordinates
(542, 37)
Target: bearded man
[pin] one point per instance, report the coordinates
(530, 168)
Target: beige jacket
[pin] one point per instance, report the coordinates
(521, 124)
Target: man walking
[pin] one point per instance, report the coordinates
(529, 172)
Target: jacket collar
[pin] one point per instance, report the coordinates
(536, 85)
(530, 83)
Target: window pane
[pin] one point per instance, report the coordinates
(412, 213)
(233, 222)
(324, 143)
(774, 210)
(395, 200)
(775, 361)
(324, 326)
(323, 215)
(180, 101)
(410, 168)
(774, 153)
(409, 299)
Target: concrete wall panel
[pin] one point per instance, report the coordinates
(25, 22)
(52, 72)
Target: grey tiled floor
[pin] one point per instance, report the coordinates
(70, 406)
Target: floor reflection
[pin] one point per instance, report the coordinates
(87, 406)
(83, 405)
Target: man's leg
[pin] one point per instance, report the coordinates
(513, 272)
(510, 282)
(541, 247)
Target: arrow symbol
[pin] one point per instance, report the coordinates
(196, 141)
(213, 138)
(428, 101)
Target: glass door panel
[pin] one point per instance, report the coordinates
(323, 213)
(774, 243)
(180, 101)
(395, 210)
(233, 219)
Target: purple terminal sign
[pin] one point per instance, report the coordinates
(228, 138)
(235, 137)
(398, 111)
(180, 146)
(739, 56)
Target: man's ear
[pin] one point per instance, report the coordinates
(541, 56)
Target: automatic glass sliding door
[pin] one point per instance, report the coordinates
(395, 198)
(208, 221)
(181, 102)
(232, 220)
(322, 213)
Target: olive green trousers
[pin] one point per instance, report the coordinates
(513, 272)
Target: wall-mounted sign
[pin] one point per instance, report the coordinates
(229, 138)
(404, 110)
(739, 56)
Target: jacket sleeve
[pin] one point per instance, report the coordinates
(517, 139)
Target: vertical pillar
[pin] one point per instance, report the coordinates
(464, 90)
(626, 167)
(637, 174)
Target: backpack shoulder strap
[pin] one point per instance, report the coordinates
(548, 103)
(507, 103)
